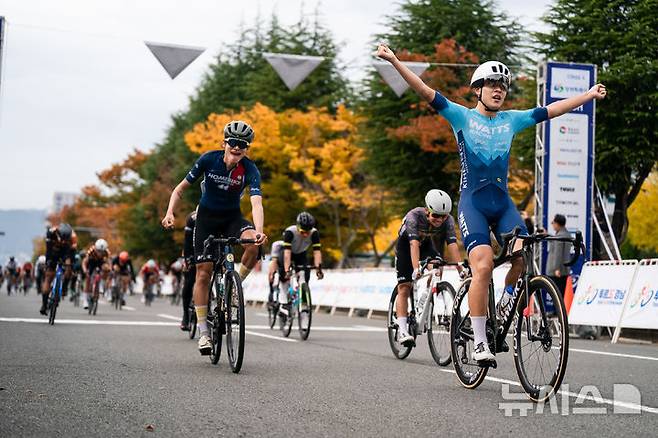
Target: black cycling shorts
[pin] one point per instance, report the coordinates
(403, 267)
(295, 260)
(218, 224)
(61, 254)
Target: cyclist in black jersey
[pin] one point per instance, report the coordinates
(61, 243)
(423, 233)
(226, 174)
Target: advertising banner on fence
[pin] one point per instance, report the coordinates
(569, 151)
(642, 307)
(368, 289)
(601, 293)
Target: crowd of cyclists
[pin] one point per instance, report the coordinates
(484, 135)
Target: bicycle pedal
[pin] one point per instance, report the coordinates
(502, 348)
(487, 364)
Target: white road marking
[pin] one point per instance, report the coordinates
(90, 322)
(266, 315)
(164, 315)
(606, 353)
(128, 308)
(607, 401)
(263, 335)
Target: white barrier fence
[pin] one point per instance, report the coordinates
(366, 289)
(620, 294)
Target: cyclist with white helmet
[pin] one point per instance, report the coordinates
(97, 256)
(40, 271)
(484, 136)
(424, 233)
(226, 173)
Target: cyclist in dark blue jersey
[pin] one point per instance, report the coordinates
(225, 174)
(484, 136)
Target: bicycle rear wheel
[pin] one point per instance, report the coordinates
(469, 373)
(399, 350)
(438, 330)
(192, 322)
(304, 312)
(234, 302)
(541, 339)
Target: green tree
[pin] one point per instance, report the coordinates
(239, 78)
(620, 37)
(419, 32)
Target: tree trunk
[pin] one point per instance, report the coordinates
(388, 249)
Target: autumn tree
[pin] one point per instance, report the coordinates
(313, 155)
(642, 231)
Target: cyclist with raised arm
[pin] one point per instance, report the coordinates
(226, 174)
(96, 257)
(61, 243)
(297, 239)
(423, 233)
(484, 137)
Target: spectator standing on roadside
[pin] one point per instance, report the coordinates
(559, 253)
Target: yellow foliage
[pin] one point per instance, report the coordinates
(642, 230)
(313, 153)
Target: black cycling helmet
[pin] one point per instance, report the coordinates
(305, 221)
(240, 130)
(65, 231)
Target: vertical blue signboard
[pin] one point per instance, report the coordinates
(569, 152)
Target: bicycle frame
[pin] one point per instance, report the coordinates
(59, 279)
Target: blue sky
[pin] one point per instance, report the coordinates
(80, 90)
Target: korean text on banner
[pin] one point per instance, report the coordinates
(642, 308)
(602, 291)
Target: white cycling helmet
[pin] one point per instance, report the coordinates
(101, 245)
(437, 201)
(490, 70)
(41, 259)
(151, 263)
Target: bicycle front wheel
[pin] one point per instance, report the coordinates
(438, 329)
(399, 350)
(469, 373)
(305, 312)
(234, 320)
(541, 339)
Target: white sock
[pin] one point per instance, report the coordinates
(402, 323)
(283, 293)
(479, 324)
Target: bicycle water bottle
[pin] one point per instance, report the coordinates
(421, 300)
(504, 306)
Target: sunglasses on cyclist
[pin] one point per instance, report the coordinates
(237, 143)
(496, 82)
(438, 216)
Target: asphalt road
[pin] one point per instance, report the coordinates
(134, 373)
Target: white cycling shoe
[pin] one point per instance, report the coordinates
(406, 339)
(481, 353)
(205, 347)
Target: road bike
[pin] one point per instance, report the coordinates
(299, 303)
(115, 287)
(431, 301)
(225, 301)
(95, 291)
(541, 330)
(273, 303)
(176, 290)
(55, 293)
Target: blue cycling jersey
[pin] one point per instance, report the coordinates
(484, 142)
(224, 187)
